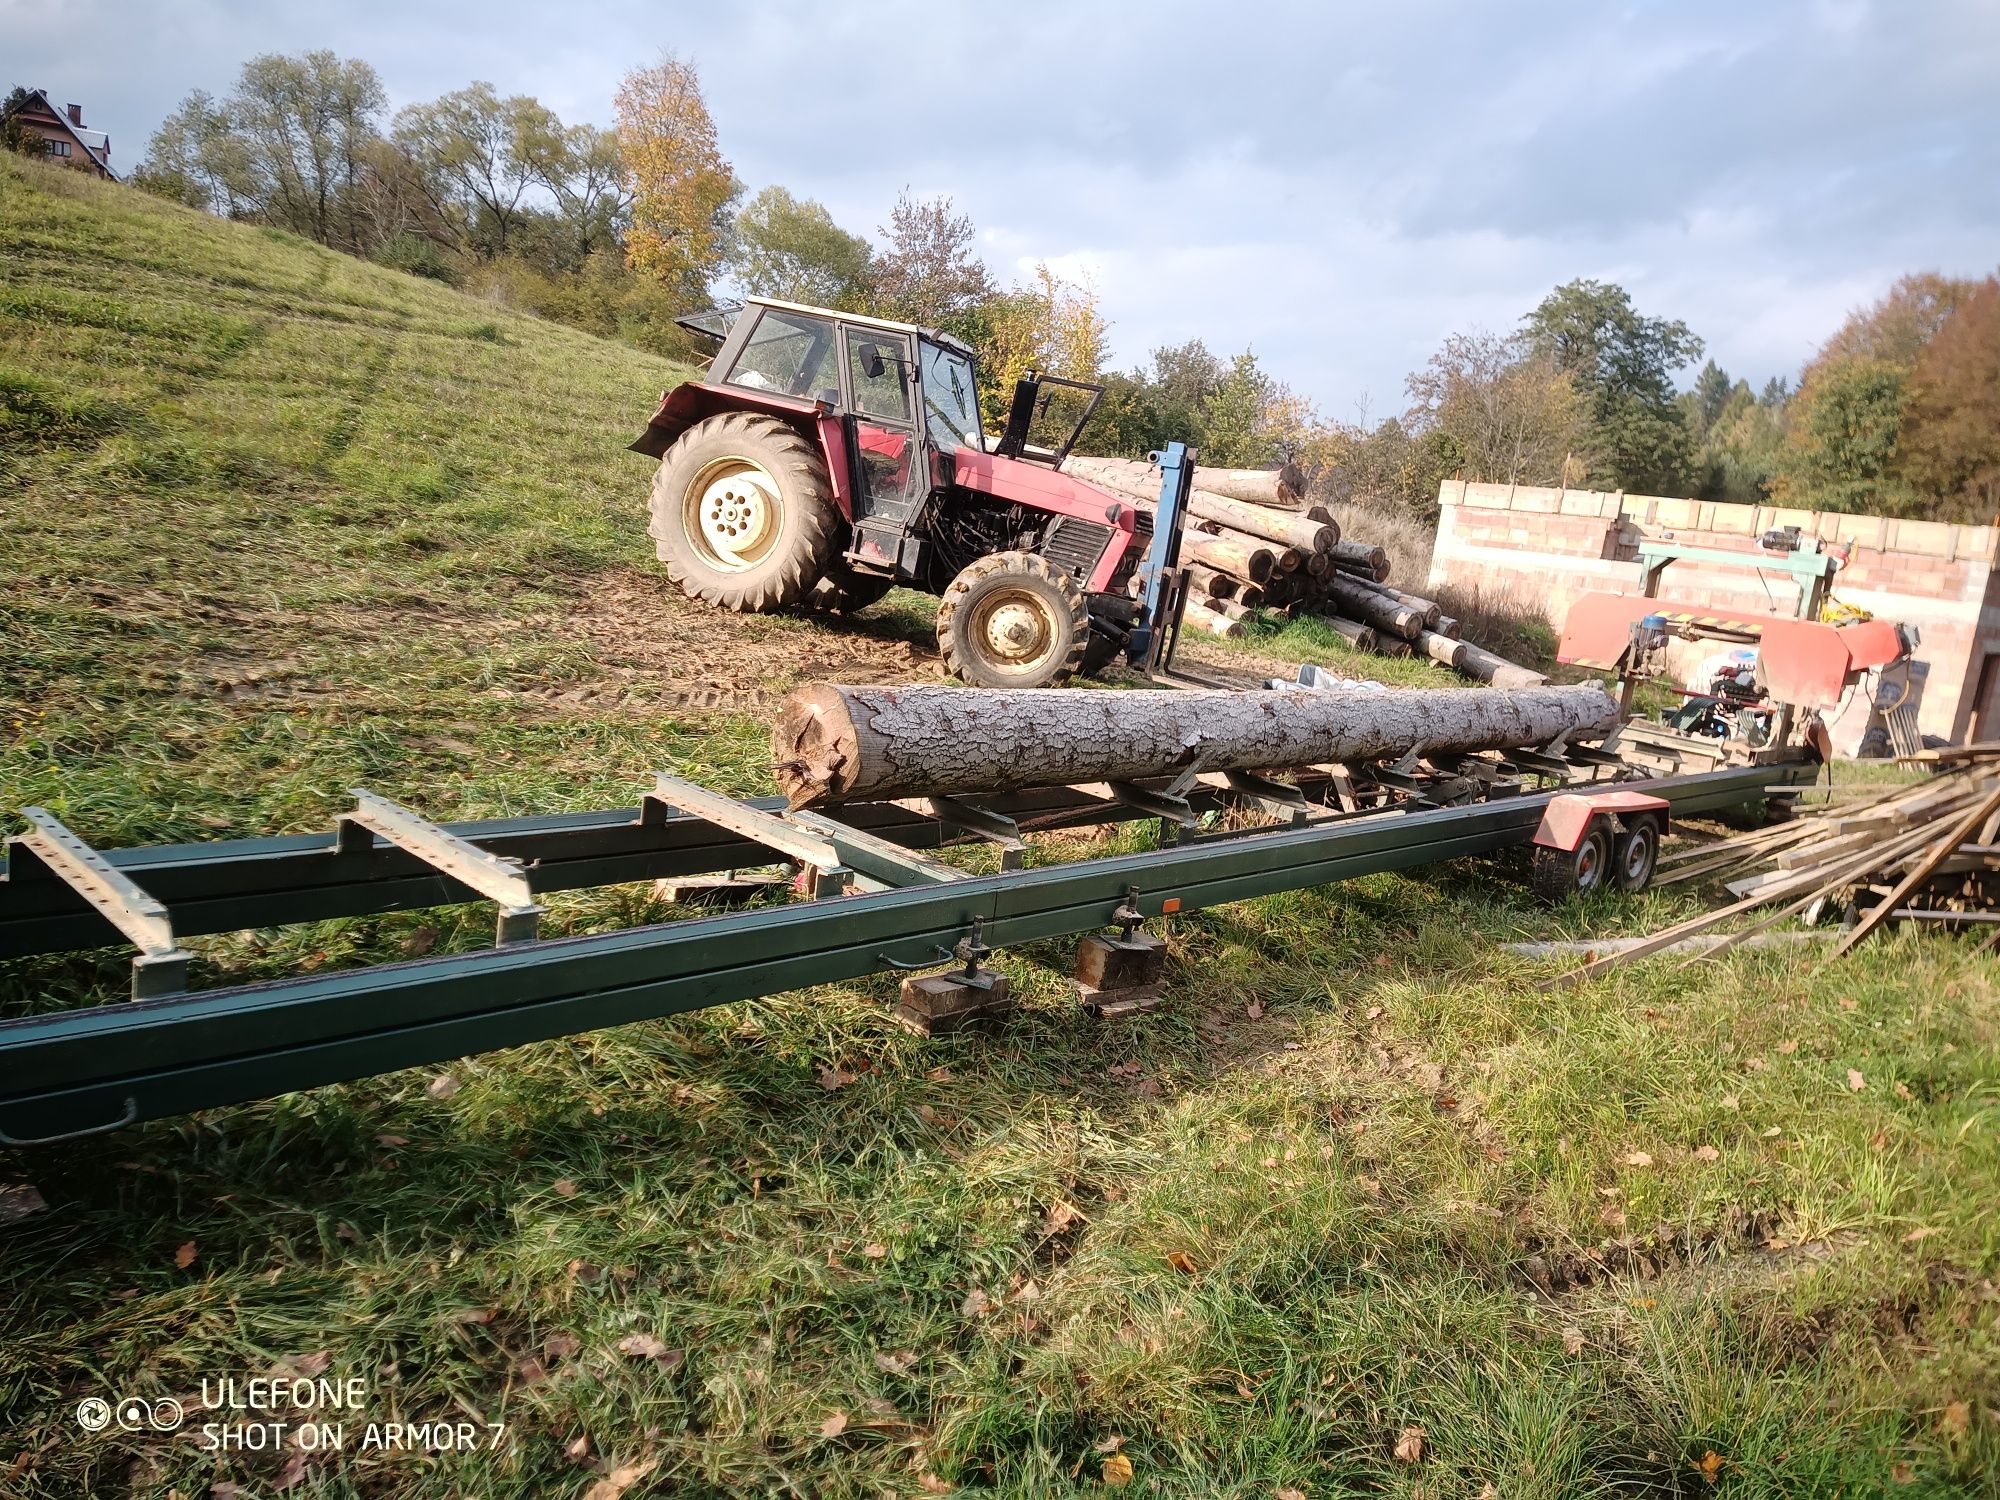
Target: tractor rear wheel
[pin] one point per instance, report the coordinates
(743, 513)
(1013, 620)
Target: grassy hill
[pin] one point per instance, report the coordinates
(1364, 1210)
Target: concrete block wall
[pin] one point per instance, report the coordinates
(1538, 549)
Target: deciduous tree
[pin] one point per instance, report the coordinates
(1623, 363)
(791, 248)
(476, 153)
(1842, 438)
(1498, 408)
(304, 124)
(681, 187)
(1950, 444)
(929, 274)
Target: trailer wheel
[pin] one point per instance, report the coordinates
(743, 513)
(1013, 620)
(1559, 874)
(1637, 852)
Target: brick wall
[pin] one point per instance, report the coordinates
(1540, 548)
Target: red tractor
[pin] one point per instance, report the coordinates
(828, 457)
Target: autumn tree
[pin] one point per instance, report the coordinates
(1843, 437)
(790, 248)
(1049, 324)
(929, 274)
(1950, 443)
(681, 187)
(1622, 363)
(1496, 408)
(1899, 326)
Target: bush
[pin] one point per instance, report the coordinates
(419, 257)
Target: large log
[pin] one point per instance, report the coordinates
(1239, 557)
(1442, 649)
(1209, 584)
(834, 743)
(1280, 489)
(1476, 661)
(1198, 615)
(1362, 558)
(1359, 602)
(1272, 526)
(1360, 637)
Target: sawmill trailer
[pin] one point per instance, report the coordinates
(855, 889)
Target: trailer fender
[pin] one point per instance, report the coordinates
(1569, 816)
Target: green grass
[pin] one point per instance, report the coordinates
(278, 523)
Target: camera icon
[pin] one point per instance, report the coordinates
(132, 1414)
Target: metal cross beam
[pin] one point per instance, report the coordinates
(493, 876)
(161, 967)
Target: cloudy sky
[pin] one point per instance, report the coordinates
(1336, 185)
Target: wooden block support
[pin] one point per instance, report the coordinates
(1119, 976)
(939, 1004)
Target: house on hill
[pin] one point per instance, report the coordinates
(61, 133)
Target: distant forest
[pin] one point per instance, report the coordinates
(619, 231)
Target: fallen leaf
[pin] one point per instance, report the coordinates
(620, 1479)
(939, 1075)
(834, 1078)
(1288, 1492)
(1847, 1004)
(293, 1473)
(896, 1362)
(1181, 1261)
(1903, 1090)
(1117, 1471)
(531, 1371)
(1573, 1341)
(1060, 1216)
(875, 1250)
(1788, 1046)
(976, 1302)
(930, 1484)
(560, 1345)
(586, 1273)
(1955, 1418)
(578, 1447)
(563, 1188)
(1903, 1473)
(1707, 1153)
(1254, 1010)
(1374, 1012)
(309, 1365)
(1855, 1081)
(184, 1257)
(645, 1346)
(442, 1087)
(1923, 1233)
(1709, 1467)
(1108, 1445)
(420, 942)
(392, 1140)
(834, 1425)
(345, 1231)
(473, 1315)
(1637, 1159)
(1410, 1446)
(1878, 1140)
(1487, 1491)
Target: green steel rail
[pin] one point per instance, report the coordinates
(89, 1070)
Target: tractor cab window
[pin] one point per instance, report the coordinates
(789, 353)
(877, 365)
(951, 400)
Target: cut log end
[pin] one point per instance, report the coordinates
(814, 745)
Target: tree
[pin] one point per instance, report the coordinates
(1842, 440)
(929, 274)
(14, 136)
(1950, 442)
(1899, 326)
(790, 248)
(1741, 442)
(196, 157)
(1622, 362)
(304, 124)
(476, 153)
(1500, 409)
(584, 173)
(680, 185)
(1233, 430)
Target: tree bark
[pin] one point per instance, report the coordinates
(1278, 489)
(1360, 602)
(1239, 557)
(1360, 637)
(1475, 661)
(834, 743)
(1268, 525)
(1363, 558)
(1201, 617)
(1207, 583)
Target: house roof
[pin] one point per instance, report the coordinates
(96, 144)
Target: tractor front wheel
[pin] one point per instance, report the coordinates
(743, 513)
(1013, 620)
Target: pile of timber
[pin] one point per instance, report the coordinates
(1924, 853)
(1253, 544)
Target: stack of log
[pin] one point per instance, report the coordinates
(1253, 543)
(1924, 853)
